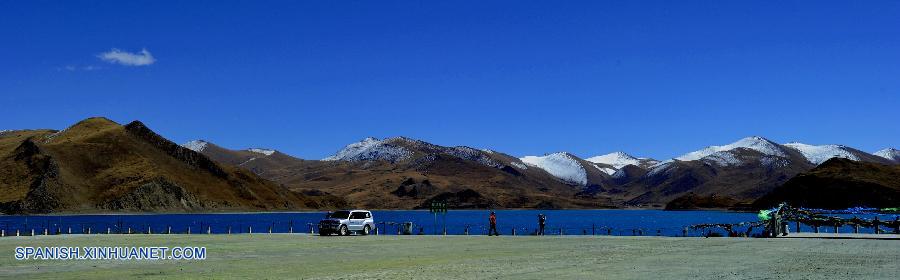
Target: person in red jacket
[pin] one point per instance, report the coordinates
(493, 230)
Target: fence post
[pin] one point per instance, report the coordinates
(514, 231)
(798, 226)
(17, 232)
(2, 233)
(836, 228)
(208, 229)
(560, 231)
(148, 230)
(229, 230)
(70, 230)
(189, 230)
(250, 229)
(684, 232)
(108, 230)
(129, 230)
(46, 231)
(169, 229)
(466, 230)
(856, 228)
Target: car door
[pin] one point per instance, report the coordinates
(356, 220)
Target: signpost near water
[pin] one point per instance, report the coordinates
(439, 207)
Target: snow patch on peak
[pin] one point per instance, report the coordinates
(722, 158)
(371, 149)
(560, 165)
(889, 153)
(607, 170)
(196, 145)
(819, 154)
(755, 143)
(267, 152)
(616, 159)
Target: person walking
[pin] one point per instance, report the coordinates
(493, 220)
(542, 221)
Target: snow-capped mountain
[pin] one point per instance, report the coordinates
(196, 145)
(561, 165)
(817, 154)
(620, 159)
(370, 149)
(890, 154)
(755, 143)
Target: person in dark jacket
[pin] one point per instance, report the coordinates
(493, 220)
(542, 221)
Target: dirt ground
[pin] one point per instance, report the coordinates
(283, 256)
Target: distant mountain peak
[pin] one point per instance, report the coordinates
(562, 165)
(817, 154)
(196, 145)
(890, 154)
(756, 143)
(371, 149)
(619, 159)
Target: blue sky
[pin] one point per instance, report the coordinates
(651, 78)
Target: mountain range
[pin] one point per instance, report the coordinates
(407, 173)
(98, 165)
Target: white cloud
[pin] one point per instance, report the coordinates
(126, 58)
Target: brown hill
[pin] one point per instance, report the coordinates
(98, 165)
(839, 184)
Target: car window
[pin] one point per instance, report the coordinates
(340, 215)
(358, 215)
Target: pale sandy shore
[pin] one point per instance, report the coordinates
(282, 256)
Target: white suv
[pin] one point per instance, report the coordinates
(346, 221)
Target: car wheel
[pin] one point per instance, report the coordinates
(366, 230)
(343, 231)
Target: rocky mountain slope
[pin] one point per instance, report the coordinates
(98, 165)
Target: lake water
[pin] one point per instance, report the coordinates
(569, 222)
